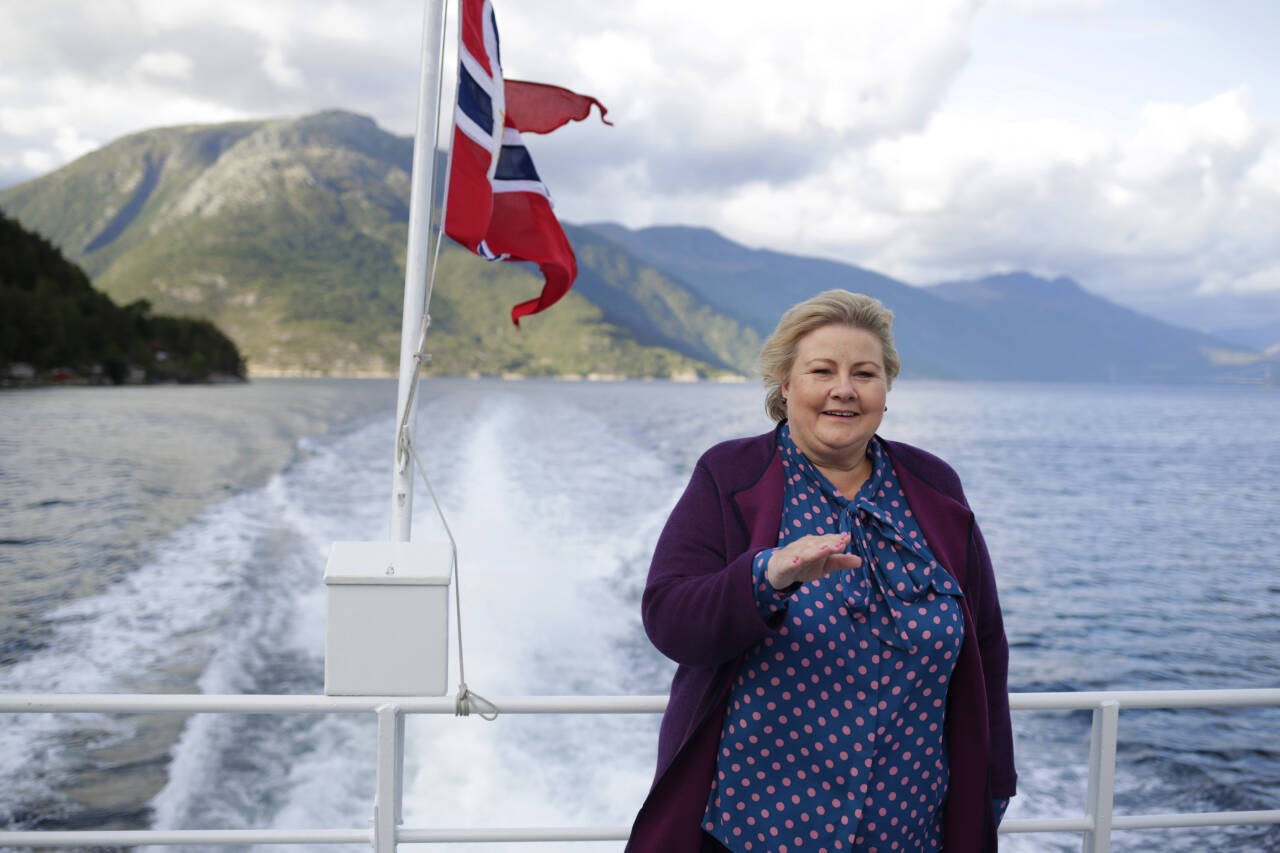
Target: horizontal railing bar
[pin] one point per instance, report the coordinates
(1045, 824)
(265, 704)
(540, 833)
(133, 838)
(198, 703)
(1146, 821)
(130, 838)
(1127, 699)
(1168, 821)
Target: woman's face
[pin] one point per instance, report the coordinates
(835, 394)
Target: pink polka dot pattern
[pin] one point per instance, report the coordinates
(833, 735)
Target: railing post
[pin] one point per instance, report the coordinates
(1102, 776)
(390, 778)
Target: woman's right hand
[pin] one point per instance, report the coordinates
(808, 558)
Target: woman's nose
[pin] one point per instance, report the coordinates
(844, 387)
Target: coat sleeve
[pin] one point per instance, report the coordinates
(699, 606)
(994, 649)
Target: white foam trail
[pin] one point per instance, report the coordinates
(554, 510)
(279, 623)
(132, 637)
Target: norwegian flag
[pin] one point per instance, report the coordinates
(498, 207)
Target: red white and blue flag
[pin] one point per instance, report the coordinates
(498, 207)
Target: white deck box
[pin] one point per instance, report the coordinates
(387, 618)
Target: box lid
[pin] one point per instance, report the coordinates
(425, 563)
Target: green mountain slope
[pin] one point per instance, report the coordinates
(290, 235)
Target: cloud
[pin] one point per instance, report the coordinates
(1176, 141)
(846, 131)
(1258, 281)
(1263, 177)
(708, 92)
(279, 71)
(97, 71)
(1048, 7)
(715, 94)
(1183, 202)
(164, 63)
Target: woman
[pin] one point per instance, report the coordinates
(831, 605)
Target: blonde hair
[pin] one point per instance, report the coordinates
(829, 308)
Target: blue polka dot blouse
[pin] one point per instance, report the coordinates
(833, 736)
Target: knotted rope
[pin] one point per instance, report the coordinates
(466, 700)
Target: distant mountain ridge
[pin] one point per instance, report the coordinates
(1265, 337)
(1014, 326)
(290, 234)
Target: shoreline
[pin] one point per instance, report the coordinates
(270, 373)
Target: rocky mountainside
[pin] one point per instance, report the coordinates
(290, 235)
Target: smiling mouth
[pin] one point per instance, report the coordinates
(841, 414)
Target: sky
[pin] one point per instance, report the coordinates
(1132, 145)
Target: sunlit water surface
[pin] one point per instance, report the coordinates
(173, 539)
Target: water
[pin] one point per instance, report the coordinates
(173, 539)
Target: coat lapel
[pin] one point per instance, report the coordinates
(760, 510)
(945, 521)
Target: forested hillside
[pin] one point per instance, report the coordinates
(53, 321)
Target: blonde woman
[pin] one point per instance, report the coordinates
(831, 604)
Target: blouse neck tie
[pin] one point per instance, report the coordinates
(883, 532)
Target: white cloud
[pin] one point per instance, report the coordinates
(1263, 176)
(279, 71)
(716, 74)
(1048, 7)
(164, 64)
(968, 195)
(1257, 281)
(37, 160)
(70, 144)
(1175, 139)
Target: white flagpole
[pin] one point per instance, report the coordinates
(416, 257)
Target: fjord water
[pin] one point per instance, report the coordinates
(173, 539)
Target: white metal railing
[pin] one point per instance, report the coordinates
(1096, 824)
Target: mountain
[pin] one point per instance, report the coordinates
(658, 309)
(1265, 338)
(290, 234)
(1064, 332)
(1016, 326)
(755, 287)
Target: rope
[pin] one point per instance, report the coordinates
(466, 700)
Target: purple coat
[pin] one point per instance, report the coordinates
(699, 611)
